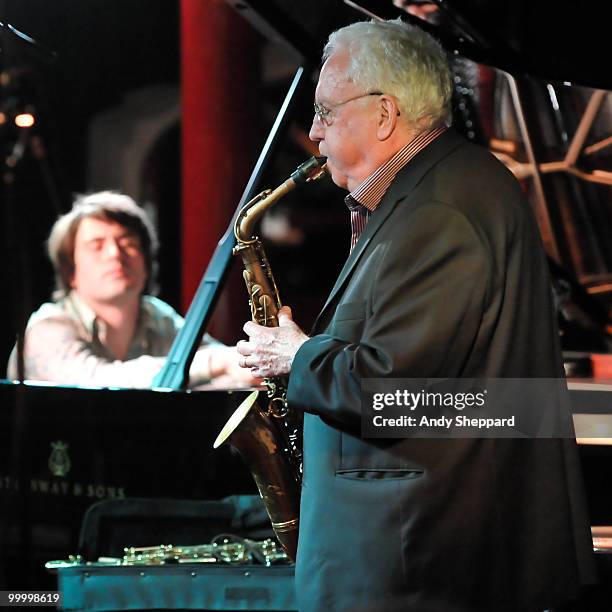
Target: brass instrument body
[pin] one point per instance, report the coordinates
(223, 549)
(231, 551)
(269, 440)
(261, 287)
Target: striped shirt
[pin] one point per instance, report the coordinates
(366, 197)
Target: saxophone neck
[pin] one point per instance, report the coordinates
(252, 212)
(311, 170)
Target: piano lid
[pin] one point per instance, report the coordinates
(551, 40)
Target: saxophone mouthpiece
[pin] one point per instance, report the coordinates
(311, 170)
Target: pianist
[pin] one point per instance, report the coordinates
(102, 329)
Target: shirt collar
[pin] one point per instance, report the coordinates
(370, 192)
(82, 311)
(94, 326)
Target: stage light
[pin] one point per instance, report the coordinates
(25, 120)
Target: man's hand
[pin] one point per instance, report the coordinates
(269, 352)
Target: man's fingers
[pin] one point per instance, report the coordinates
(244, 347)
(285, 316)
(249, 328)
(253, 329)
(285, 310)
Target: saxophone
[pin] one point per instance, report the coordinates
(269, 438)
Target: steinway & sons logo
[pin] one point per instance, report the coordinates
(59, 465)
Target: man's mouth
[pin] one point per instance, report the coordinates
(116, 273)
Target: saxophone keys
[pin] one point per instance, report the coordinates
(268, 311)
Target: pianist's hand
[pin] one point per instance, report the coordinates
(233, 369)
(219, 366)
(269, 351)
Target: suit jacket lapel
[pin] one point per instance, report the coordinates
(405, 182)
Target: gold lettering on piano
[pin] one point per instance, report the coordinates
(75, 489)
(64, 488)
(8, 483)
(49, 487)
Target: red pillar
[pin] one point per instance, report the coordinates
(219, 81)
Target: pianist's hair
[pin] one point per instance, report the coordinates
(400, 60)
(106, 206)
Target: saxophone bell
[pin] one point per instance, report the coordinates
(263, 446)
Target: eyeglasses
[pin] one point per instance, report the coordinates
(324, 113)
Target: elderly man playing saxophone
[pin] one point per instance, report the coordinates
(444, 254)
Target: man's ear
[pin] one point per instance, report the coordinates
(388, 116)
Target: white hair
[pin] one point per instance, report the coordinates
(400, 60)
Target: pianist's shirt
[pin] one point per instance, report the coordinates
(64, 344)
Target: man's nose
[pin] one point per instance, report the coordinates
(112, 248)
(316, 130)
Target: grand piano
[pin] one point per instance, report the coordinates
(532, 85)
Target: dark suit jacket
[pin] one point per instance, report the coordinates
(449, 279)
